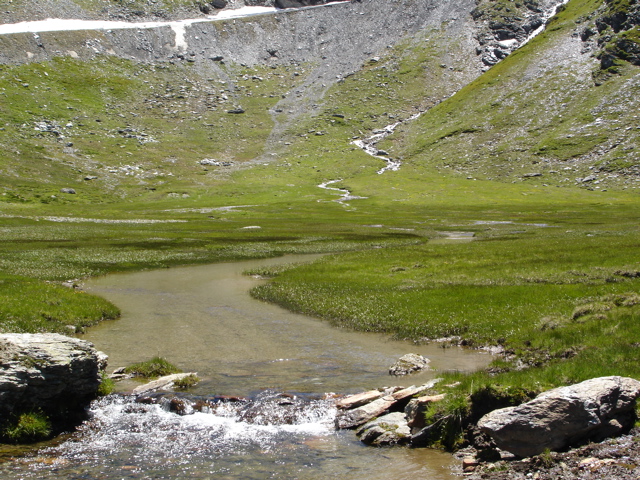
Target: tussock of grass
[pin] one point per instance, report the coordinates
(27, 428)
(107, 386)
(156, 367)
(187, 382)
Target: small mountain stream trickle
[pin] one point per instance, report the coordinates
(279, 364)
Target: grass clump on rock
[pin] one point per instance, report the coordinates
(186, 382)
(156, 367)
(107, 386)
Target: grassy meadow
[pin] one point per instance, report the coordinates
(548, 269)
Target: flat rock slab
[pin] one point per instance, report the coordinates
(359, 399)
(595, 408)
(358, 416)
(161, 383)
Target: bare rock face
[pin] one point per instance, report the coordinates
(596, 408)
(50, 372)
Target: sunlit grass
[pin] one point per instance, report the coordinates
(28, 305)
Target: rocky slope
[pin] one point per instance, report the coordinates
(616, 458)
(550, 115)
(307, 52)
(546, 123)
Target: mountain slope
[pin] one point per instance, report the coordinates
(541, 116)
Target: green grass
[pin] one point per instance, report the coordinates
(29, 306)
(549, 276)
(156, 367)
(187, 382)
(28, 428)
(107, 386)
(483, 290)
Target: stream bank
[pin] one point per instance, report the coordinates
(203, 319)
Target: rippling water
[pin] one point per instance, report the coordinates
(203, 319)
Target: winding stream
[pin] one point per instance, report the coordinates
(368, 145)
(345, 195)
(203, 319)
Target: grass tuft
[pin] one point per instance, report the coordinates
(27, 428)
(187, 382)
(156, 367)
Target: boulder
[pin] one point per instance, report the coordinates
(47, 371)
(593, 409)
(409, 363)
(416, 409)
(390, 429)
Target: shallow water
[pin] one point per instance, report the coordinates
(202, 319)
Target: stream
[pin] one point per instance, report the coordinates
(279, 364)
(368, 144)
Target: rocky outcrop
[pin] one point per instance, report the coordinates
(503, 28)
(409, 363)
(49, 372)
(383, 417)
(617, 33)
(594, 409)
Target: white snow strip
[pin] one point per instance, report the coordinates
(63, 25)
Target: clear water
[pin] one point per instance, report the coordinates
(202, 319)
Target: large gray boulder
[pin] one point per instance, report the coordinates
(390, 429)
(50, 372)
(596, 408)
